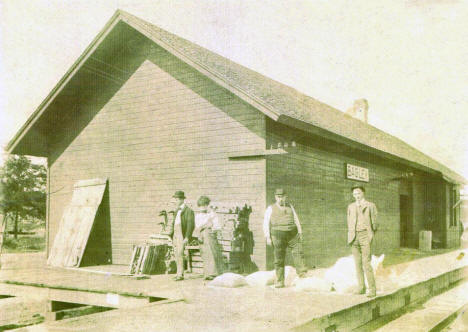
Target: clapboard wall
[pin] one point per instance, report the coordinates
(167, 128)
(151, 125)
(313, 174)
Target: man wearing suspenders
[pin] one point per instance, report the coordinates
(282, 228)
(180, 230)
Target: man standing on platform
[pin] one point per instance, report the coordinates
(362, 224)
(181, 231)
(281, 227)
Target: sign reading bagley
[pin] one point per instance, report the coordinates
(357, 173)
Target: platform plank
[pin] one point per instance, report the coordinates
(279, 309)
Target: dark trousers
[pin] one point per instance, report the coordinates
(361, 249)
(281, 241)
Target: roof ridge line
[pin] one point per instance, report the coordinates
(218, 75)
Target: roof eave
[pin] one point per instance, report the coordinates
(13, 144)
(310, 128)
(119, 16)
(270, 111)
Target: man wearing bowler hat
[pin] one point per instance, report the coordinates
(281, 227)
(362, 224)
(181, 230)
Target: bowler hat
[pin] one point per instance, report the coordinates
(179, 194)
(280, 192)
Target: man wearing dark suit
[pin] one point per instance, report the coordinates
(362, 224)
(181, 231)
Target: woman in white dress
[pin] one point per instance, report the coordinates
(206, 227)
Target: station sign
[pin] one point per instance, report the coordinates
(354, 172)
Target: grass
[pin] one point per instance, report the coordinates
(32, 226)
(33, 242)
(24, 244)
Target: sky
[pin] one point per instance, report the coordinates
(407, 58)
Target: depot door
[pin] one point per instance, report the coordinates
(405, 221)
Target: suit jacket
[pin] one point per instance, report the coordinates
(187, 221)
(370, 219)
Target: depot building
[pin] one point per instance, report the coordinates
(153, 113)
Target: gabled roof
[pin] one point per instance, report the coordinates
(278, 101)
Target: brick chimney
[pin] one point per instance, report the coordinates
(359, 110)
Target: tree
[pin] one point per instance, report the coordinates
(23, 190)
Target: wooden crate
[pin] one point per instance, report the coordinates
(147, 259)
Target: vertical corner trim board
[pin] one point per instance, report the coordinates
(76, 224)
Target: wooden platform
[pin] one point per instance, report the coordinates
(239, 309)
(98, 288)
(433, 314)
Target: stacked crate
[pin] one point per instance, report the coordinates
(195, 259)
(225, 235)
(148, 259)
(227, 223)
(227, 220)
(233, 220)
(234, 224)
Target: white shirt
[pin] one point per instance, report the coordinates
(360, 203)
(202, 219)
(266, 220)
(177, 220)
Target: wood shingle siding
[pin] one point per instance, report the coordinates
(167, 128)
